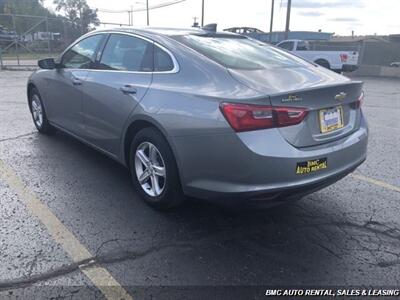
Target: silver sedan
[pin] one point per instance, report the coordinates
(204, 114)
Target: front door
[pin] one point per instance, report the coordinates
(64, 105)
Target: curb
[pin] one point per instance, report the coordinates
(377, 71)
(18, 68)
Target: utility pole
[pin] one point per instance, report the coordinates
(131, 16)
(289, 6)
(272, 21)
(147, 9)
(202, 13)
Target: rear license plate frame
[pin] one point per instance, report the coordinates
(322, 121)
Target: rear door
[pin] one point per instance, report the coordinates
(114, 88)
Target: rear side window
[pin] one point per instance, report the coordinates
(127, 53)
(302, 46)
(287, 45)
(239, 52)
(82, 55)
(162, 60)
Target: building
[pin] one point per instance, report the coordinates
(278, 36)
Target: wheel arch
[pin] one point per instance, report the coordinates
(29, 89)
(134, 127)
(323, 62)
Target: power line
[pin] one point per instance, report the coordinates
(113, 11)
(147, 8)
(140, 9)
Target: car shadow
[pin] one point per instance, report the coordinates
(290, 244)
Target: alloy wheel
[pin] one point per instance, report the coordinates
(37, 111)
(150, 169)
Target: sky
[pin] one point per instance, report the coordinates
(337, 16)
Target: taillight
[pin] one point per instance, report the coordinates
(343, 57)
(247, 117)
(357, 104)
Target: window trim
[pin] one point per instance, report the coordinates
(100, 50)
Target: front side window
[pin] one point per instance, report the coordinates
(82, 55)
(240, 52)
(127, 53)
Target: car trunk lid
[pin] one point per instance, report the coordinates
(324, 105)
(324, 94)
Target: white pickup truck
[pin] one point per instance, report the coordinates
(339, 61)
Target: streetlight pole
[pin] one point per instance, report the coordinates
(147, 9)
(289, 6)
(272, 21)
(202, 13)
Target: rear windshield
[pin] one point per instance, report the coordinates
(240, 52)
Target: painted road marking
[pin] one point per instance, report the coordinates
(100, 277)
(376, 182)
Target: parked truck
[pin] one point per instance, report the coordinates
(338, 61)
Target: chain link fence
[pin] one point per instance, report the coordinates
(25, 38)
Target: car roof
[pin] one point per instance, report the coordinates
(164, 31)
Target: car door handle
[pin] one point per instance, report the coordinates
(76, 81)
(128, 89)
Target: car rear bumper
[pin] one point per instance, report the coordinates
(262, 166)
(349, 68)
(274, 195)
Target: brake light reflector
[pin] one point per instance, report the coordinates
(247, 117)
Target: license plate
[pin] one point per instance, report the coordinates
(311, 166)
(331, 119)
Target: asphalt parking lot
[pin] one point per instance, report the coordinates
(56, 193)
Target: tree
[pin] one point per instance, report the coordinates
(79, 13)
(22, 7)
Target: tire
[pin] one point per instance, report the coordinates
(150, 158)
(38, 113)
(323, 63)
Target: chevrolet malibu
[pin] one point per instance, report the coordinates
(194, 112)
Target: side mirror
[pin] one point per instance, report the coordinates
(48, 63)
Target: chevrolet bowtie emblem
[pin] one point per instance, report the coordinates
(340, 96)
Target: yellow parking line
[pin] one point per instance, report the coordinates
(100, 277)
(377, 182)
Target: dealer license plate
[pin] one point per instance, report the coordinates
(331, 119)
